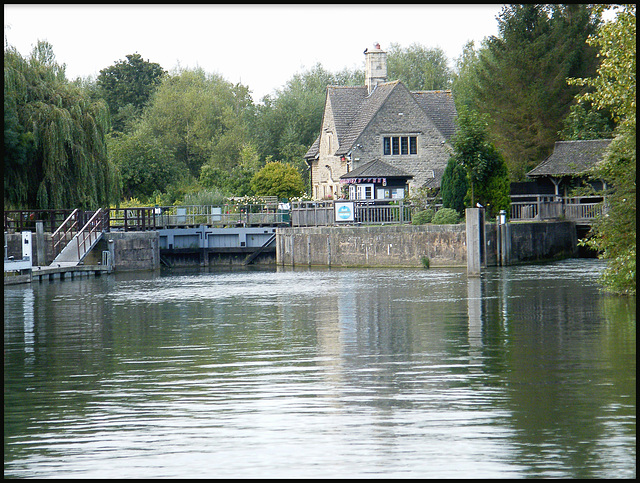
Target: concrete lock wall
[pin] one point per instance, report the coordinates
(42, 248)
(381, 246)
(134, 250)
(532, 242)
(408, 245)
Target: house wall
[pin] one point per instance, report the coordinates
(326, 181)
(401, 115)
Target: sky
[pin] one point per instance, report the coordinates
(259, 45)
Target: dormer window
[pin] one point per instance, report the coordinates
(399, 145)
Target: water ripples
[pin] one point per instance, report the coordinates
(314, 373)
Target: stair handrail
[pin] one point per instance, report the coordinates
(60, 235)
(92, 226)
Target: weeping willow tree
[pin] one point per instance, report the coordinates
(55, 156)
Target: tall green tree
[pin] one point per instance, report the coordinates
(55, 151)
(418, 67)
(199, 119)
(127, 86)
(454, 186)
(487, 176)
(465, 76)
(614, 89)
(288, 122)
(585, 122)
(146, 167)
(520, 80)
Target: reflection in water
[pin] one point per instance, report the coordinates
(523, 372)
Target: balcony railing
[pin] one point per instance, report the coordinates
(550, 207)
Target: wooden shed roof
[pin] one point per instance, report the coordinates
(571, 158)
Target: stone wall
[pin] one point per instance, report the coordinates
(380, 246)
(408, 245)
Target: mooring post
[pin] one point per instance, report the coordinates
(473, 218)
(504, 239)
(40, 243)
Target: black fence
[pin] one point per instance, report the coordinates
(124, 219)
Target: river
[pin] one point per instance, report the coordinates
(526, 372)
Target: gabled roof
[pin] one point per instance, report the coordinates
(361, 115)
(376, 169)
(440, 108)
(346, 103)
(353, 110)
(571, 158)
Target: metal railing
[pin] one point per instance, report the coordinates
(228, 215)
(312, 213)
(90, 233)
(64, 233)
(130, 219)
(16, 221)
(368, 212)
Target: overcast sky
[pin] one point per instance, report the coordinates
(261, 46)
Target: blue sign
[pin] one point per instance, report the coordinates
(344, 211)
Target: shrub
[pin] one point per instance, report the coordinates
(422, 217)
(445, 216)
(206, 197)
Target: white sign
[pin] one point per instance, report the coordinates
(344, 210)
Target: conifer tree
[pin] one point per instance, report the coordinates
(521, 77)
(486, 179)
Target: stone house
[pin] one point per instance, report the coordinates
(407, 133)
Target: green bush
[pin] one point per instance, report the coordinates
(206, 197)
(445, 216)
(422, 217)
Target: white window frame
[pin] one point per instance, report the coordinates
(395, 141)
(361, 191)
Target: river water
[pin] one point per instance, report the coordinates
(527, 371)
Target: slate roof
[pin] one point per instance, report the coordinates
(440, 108)
(376, 169)
(353, 110)
(571, 158)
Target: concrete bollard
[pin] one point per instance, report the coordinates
(473, 241)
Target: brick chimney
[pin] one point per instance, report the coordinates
(375, 67)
